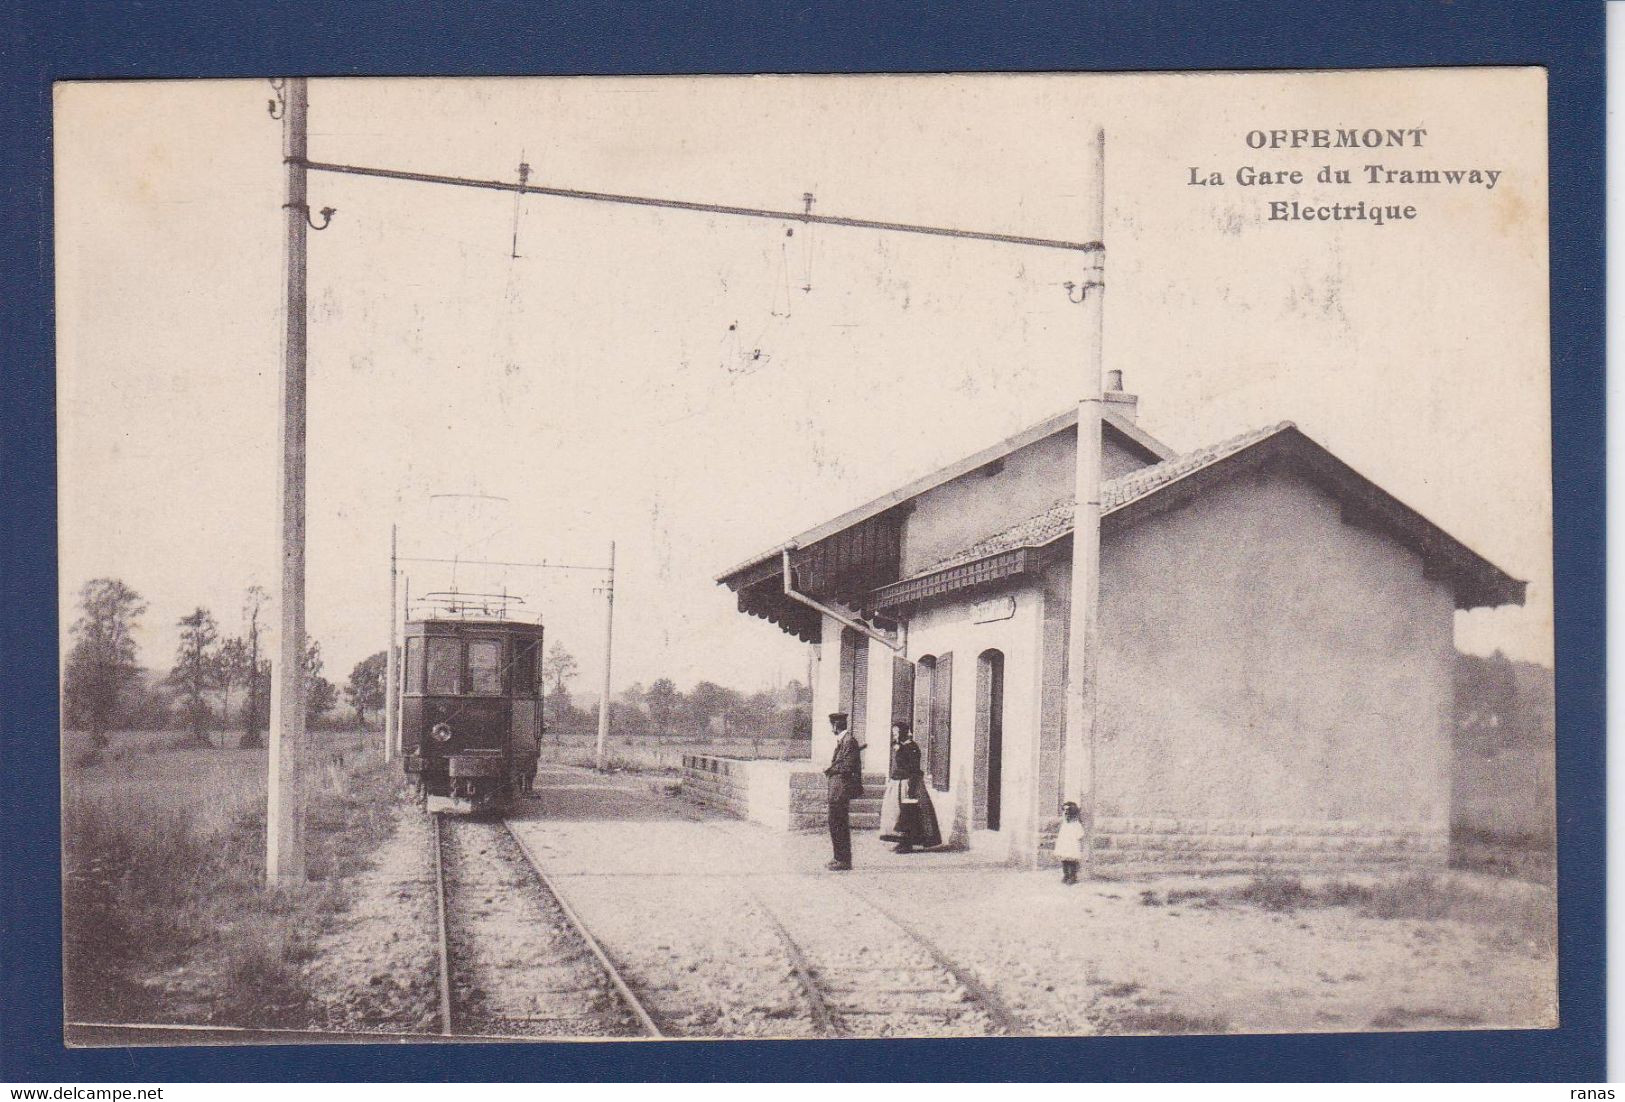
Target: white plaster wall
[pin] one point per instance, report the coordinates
(1261, 659)
(948, 628)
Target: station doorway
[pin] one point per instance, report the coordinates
(988, 800)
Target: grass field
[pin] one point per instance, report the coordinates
(165, 914)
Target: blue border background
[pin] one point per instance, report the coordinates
(233, 38)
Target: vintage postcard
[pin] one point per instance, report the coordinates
(805, 557)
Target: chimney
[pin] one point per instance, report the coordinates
(1126, 406)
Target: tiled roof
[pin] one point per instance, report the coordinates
(1056, 521)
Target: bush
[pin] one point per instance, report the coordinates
(166, 914)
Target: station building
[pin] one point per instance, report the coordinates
(1276, 662)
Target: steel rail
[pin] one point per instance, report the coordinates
(127, 1034)
(805, 217)
(823, 1017)
(440, 908)
(613, 973)
(1003, 1017)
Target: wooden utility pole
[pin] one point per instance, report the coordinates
(392, 704)
(285, 805)
(609, 636)
(1083, 651)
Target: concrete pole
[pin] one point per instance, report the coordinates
(1084, 644)
(285, 804)
(392, 704)
(401, 670)
(609, 636)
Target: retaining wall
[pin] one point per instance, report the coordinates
(783, 795)
(1124, 845)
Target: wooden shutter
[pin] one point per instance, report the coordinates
(855, 679)
(848, 656)
(942, 699)
(902, 690)
(925, 674)
(902, 699)
(860, 685)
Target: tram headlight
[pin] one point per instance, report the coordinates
(440, 732)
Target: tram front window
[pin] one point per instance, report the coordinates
(444, 672)
(485, 667)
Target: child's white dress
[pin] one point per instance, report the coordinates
(1069, 840)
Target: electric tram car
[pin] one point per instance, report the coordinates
(471, 707)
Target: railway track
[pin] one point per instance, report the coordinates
(841, 992)
(864, 972)
(735, 954)
(515, 960)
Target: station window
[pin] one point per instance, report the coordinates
(485, 667)
(445, 667)
(414, 665)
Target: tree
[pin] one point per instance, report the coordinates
(627, 715)
(256, 711)
(196, 671)
(366, 687)
(231, 668)
(665, 704)
(320, 693)
(757, 713)
(709, 701)
(559, 668)
(102, 663)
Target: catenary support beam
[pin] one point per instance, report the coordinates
(806, 217)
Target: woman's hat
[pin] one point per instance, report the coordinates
(1069, 806)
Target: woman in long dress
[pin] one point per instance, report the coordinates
(907, 816)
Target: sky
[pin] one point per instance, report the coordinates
(662, 379)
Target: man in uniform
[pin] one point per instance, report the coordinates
(845, 775)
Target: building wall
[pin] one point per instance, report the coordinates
(826, 690)
(951, 628)
(952, 516)
(1275, 686)
(827, 698)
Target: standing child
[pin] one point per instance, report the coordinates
(1069, 843)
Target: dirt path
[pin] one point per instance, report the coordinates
(375, 969)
